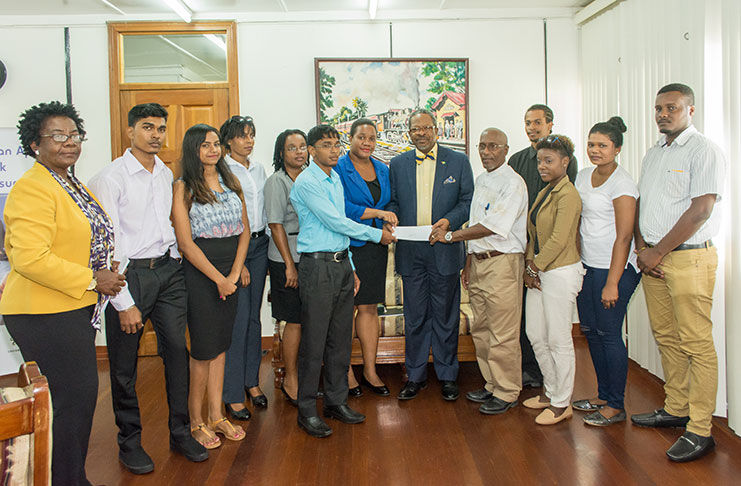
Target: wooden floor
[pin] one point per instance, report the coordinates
(425, 441)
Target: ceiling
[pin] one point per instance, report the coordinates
(205, 8)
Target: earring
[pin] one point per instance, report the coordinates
(37, 152)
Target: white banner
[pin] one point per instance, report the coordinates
(12, 166)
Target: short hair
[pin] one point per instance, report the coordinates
(359, 123)
(420, 111)
(319, 132)
(33, 119)
(682, 88)
(560, 143)
(546, 111)
(195, 183)
(280, 147)
(612, 128)
(146, 110)
(234, 127)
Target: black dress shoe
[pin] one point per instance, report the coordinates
(531, 381)
(479, 396)
(190, 448)
(411, 388)
(599, 420)
(260, 401)
(137, 461)
(243, 414)
(450, 390)
(355, 391)
(378, 390)
(290, 400)
(494, 406)
(659, 418)
(690, 447)
(343, 413)
(314, 426)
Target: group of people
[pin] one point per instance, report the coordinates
(196, 251)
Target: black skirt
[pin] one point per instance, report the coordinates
(370, 266)
(210, 319)
(285, 301)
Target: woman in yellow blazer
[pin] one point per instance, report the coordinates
(553, 276)
(59, 243)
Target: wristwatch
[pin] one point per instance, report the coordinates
(449, 236)
(93, 284)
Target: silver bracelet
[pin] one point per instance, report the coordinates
(530, 272)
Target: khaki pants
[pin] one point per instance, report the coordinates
(679, 309)
(495, 290)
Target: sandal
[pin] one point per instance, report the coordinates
(227, 429)
(205, 436)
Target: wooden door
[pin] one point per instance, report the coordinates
(185, 108)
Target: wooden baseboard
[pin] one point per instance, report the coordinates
(267, 343)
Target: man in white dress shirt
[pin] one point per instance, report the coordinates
(136, 192)
(681, 181)
(493, 273)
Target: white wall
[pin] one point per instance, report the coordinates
(276, 74)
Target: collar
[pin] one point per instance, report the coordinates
(560, 184)
(233, 163)
(499, 170)
(681, 139)
(319, 174)
(420, 156)
(133, 165)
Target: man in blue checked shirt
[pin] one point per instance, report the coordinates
(327, 283)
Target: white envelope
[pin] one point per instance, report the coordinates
(413, 233)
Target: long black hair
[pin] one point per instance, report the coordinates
(192, 167)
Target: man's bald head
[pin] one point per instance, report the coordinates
(493, 148)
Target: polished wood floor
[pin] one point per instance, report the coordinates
(425, 441)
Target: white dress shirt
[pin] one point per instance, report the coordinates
(252, 180)
(671, 176)
(139, 204)
(500, 204)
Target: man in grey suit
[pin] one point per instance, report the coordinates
(431, 185)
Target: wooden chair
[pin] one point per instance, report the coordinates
(26, 411)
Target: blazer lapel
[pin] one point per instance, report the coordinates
(411, 170)
(441, 173)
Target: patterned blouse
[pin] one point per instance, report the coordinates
(217, 220)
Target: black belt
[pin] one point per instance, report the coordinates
(257, 234)
(149, 263)
(689, 246)
(331, 256)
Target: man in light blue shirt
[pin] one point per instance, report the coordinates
(326, 282)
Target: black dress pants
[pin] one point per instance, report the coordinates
(160, 295)
(326, 289)
(63, 344)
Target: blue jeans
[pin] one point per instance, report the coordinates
(242, 367)
(604, 331)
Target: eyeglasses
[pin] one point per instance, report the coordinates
(552, 139)
(420, 130)
(241, 118)
(293, 148)
(63, 137)
(329, 146)
(491, 146)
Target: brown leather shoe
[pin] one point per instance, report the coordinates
(547, 417)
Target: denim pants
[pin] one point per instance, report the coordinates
(604, 331)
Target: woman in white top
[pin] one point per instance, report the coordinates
(609, 197)
(242, 368)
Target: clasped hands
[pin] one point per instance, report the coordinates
(649, 260)
(438, 231)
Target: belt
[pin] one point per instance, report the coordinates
(330, 256)
(689, 246)
(257, 234)
(487, 254)
(149, 263)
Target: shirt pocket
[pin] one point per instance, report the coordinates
(677, 183)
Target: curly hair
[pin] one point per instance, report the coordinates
(280, 146)
(560, 143)
(33, 119)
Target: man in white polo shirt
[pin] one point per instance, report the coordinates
(493, 273)
(681, 182)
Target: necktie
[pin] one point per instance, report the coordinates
(422, 159)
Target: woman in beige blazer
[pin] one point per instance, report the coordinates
(553, 276)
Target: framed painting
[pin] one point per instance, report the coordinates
(387, 91)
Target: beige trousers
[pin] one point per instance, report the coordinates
(495, 290)
(679, 309)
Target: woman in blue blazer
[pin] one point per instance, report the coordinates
(367, 192)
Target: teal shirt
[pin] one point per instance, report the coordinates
(319, 201)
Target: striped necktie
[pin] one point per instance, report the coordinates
(422, 159)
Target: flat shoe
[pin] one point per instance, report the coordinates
(689, 447)
(535, 403)
(205, 436)
(243, 414)
(227, 429)
(547, 417)
(355, 391)
(260, 401)
(586, 406)
(599, 420)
